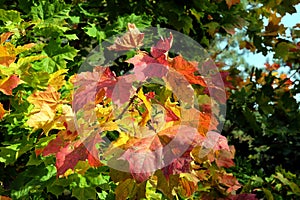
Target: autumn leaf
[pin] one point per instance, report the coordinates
(188, 183)
(160, 50)
(180, 87)
(4, 37)
(130, 40)
(188, 70)
(7, 57)
(125, 189)
(123, 89)
(2, 111)
(204, 122)
(274, 27)
(89, 84)
(156, 150)
(8, 84)
(230, 181)
(232, 2)
(68, 153)
(49, 97)
(42, 119)
(57, 79)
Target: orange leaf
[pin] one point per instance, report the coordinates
(232, 2)
(6, 57)
(2, 111)
(8, 84)
(187, 69)
(5, 36)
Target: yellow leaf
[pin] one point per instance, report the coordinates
(50, 97)
(42, 119)
(147, 114)
(57, 79)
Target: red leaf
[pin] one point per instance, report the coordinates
(162, 47)
(169, 148)
(8, 84)
(89, 84)
(241, 197)
(123, 89)
(130, 40)
(215, 141)
(147, 67)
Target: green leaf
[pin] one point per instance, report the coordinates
(268, 194)
(10, 16)
(125, 189)
(84, 193)
(71, 36)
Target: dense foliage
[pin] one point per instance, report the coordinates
(43, 44)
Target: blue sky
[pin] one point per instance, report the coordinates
(289, 21)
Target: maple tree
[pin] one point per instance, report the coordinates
(147, 125)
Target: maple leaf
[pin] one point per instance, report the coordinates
(57, 79)
(130, 40)
(123, 89)
(274, 27)
(69, 153)
(89, 84)
(230, 181)
(156, 150)
(160, 50)
(204, 122)
(8, 84)
(188, 183)
(232, 2)
(43, 119)
(6, 57)
(179, 86)
(49, 97)
(68, 156)
(215, 141)
(187, 69)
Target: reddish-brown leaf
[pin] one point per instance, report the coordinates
(2, 111)
(232, 2)
(230, 181)
(160, 50)
(130, 40)
(123, 89)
